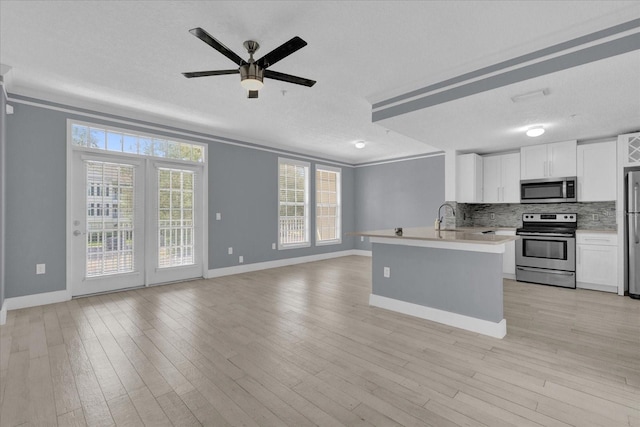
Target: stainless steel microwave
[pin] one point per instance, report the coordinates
(548, 190)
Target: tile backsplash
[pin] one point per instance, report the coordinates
(510, 214)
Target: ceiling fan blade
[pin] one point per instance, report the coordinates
(252, 94)
(209, 73)
(288, 78)
(281, 52)
(206, 37)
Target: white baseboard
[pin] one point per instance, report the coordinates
(36, 299)
(508, 276)
(246, 268)
(485, 327)
(361, 252)
(3, 314)
(596, 287)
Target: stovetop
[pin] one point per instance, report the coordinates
(556, 223)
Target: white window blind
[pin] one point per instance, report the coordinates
(293, 200)
(328, 205)
(110, 213)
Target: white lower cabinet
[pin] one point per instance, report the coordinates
(509, 256)
(597, 261)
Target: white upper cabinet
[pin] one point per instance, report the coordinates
(533, 162)
(629, 149)
(511, 178)
(469, 178)
(501, 178)
(597, 172)
(548, 160)
(492, 178)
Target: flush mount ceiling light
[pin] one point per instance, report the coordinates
(360, 144)
(535, 131)
(530, 95)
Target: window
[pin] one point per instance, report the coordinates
(110, 225)
(175, 216)
(293, 200)
(328, 209)
(119, 141)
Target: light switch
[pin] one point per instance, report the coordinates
(230, 250)
(387, 272)
(240, 259)
(41, 268)
(218, 216)
(273, 246)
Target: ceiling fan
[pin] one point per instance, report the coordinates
(252, 72)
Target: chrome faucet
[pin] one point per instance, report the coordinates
(440, 217)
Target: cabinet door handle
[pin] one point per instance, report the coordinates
(550, 167)
(498, 195)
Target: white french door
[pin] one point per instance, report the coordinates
(135, 222)
(175, 251)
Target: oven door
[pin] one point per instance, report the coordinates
(546, 251)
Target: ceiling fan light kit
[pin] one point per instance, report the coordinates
(252, 72)
(251, 77)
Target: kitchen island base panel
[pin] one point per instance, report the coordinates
(472, 324)
(464, 283)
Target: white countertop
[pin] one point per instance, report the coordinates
(460, 235)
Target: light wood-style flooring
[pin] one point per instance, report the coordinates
(299, 346)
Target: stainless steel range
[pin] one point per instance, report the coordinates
(546, 250)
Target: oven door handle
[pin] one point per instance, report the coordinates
(558, 273)
(526, 233)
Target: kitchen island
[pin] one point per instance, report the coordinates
(448, 276)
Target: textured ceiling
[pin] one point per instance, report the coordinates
(126, 58)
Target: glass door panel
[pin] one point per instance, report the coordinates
(107, 231)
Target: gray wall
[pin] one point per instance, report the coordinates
(3, 169)
(35, 201)
(398, 194)
(463, 282)
(242, 187)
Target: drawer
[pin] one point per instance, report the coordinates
(602, 239)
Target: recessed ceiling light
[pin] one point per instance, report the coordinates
(360, 144)
(535, 131)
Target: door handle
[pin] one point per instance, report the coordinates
(78, 233)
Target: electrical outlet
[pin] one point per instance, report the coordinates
(362, 238)
(387, 272)
(273, 246)
(41, 268)
(218, 216)
(493, 216)
(240, 259)
(230, 251)
(594, 217)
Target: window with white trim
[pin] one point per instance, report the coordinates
(293, 204)
(104, 138)
(328, 205)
